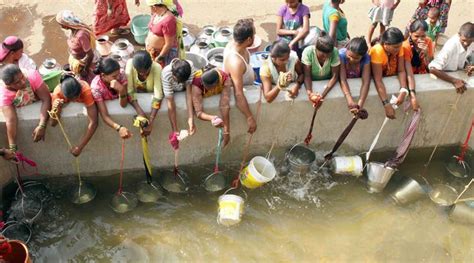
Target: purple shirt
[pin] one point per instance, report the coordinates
(293, 21)
(357, 72)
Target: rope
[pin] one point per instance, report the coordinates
(119, 192)
(465, 145)
(362, 114)
(309, 136)
(236, 181)
(19, 181)
(404, 146)
(54, 115)
(453, 108)
(218, 150)
(20, 158)
(146, 159)
(465, 189)
(376, 139)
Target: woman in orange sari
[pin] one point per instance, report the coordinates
(110, 15)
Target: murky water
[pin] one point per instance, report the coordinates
(334, 219)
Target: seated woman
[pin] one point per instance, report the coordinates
(110, 84)
(293, 23)
(210, 82)
(11, 52)
(387, 60)
(20, 88)
(283, 69)
(162, 40)
(454, 56)
(178, 76)
(144, 75)
(81, 45)
(335, 22)
(321, 61)
(355, 63)
(418, 49)
(72, 90)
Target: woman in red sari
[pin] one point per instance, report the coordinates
(111, 15)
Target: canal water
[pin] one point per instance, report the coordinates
(333, 219)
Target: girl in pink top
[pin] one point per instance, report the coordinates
(110, 84)
(20, 89)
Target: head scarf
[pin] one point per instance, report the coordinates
(168, 3)
(10, 44)
(68, 19)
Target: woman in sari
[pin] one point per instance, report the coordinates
(81, 45)
(164, 41)
(110, 15)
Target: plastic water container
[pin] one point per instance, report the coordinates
(348, 165)
(257, 173)
(256, 61)
(231, 209)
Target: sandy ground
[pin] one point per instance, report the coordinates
(34, 21)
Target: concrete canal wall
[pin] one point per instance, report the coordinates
(280, 122)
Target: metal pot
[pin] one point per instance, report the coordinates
(119, 59)
(407, 193)
(188, 38)
(123, 48)
(215, 57)
(462, 213)
(49, 65)
(200, 47)
(207, 33)
(378, 175)
(300, 158)
(196, 60)
(222, 36)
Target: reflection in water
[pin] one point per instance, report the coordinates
(332, 219)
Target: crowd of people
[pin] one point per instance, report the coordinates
(161, 68)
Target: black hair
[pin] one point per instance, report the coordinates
(279, 49)
(181, 69)
(8, 73)
(358, 45)
(417, 25)
(142, 60)
(324, 43)
(392, 36)
(70, 86)
(106, 66)
(435, 10)
(467, 30)
(210, 76)
(243, 29)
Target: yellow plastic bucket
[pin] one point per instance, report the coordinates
(348, 165)
(258, 172)
(231, 209)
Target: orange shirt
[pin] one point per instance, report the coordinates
(408, 55)
(85, 96)
(379, 56)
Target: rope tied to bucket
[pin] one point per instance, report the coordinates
(218, 150)
(23, 160)
(361, 114)
(54, 115)
(236, 182)
(317, 104)
(465, 145)
(122, 158)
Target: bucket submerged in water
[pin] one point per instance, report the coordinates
(410, 191)
(378, 176)
(231, 209)
(300, 158)
(258, 172)
(348, 165)
(462, 213)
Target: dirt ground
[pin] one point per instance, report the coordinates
(34, 22)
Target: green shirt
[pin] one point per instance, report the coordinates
(319, 72)
(433, 30)
(332, 14)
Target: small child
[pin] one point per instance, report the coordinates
(381, 13)
(434, 25)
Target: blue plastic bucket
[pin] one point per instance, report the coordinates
(256, 61)
(139, 37)
(139, 24)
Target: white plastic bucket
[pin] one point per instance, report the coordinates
(258, 172)
(231, 209)
(348, 165)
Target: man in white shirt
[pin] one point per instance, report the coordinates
(454, 56)
(11, 52)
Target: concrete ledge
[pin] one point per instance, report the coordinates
(280, 122)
